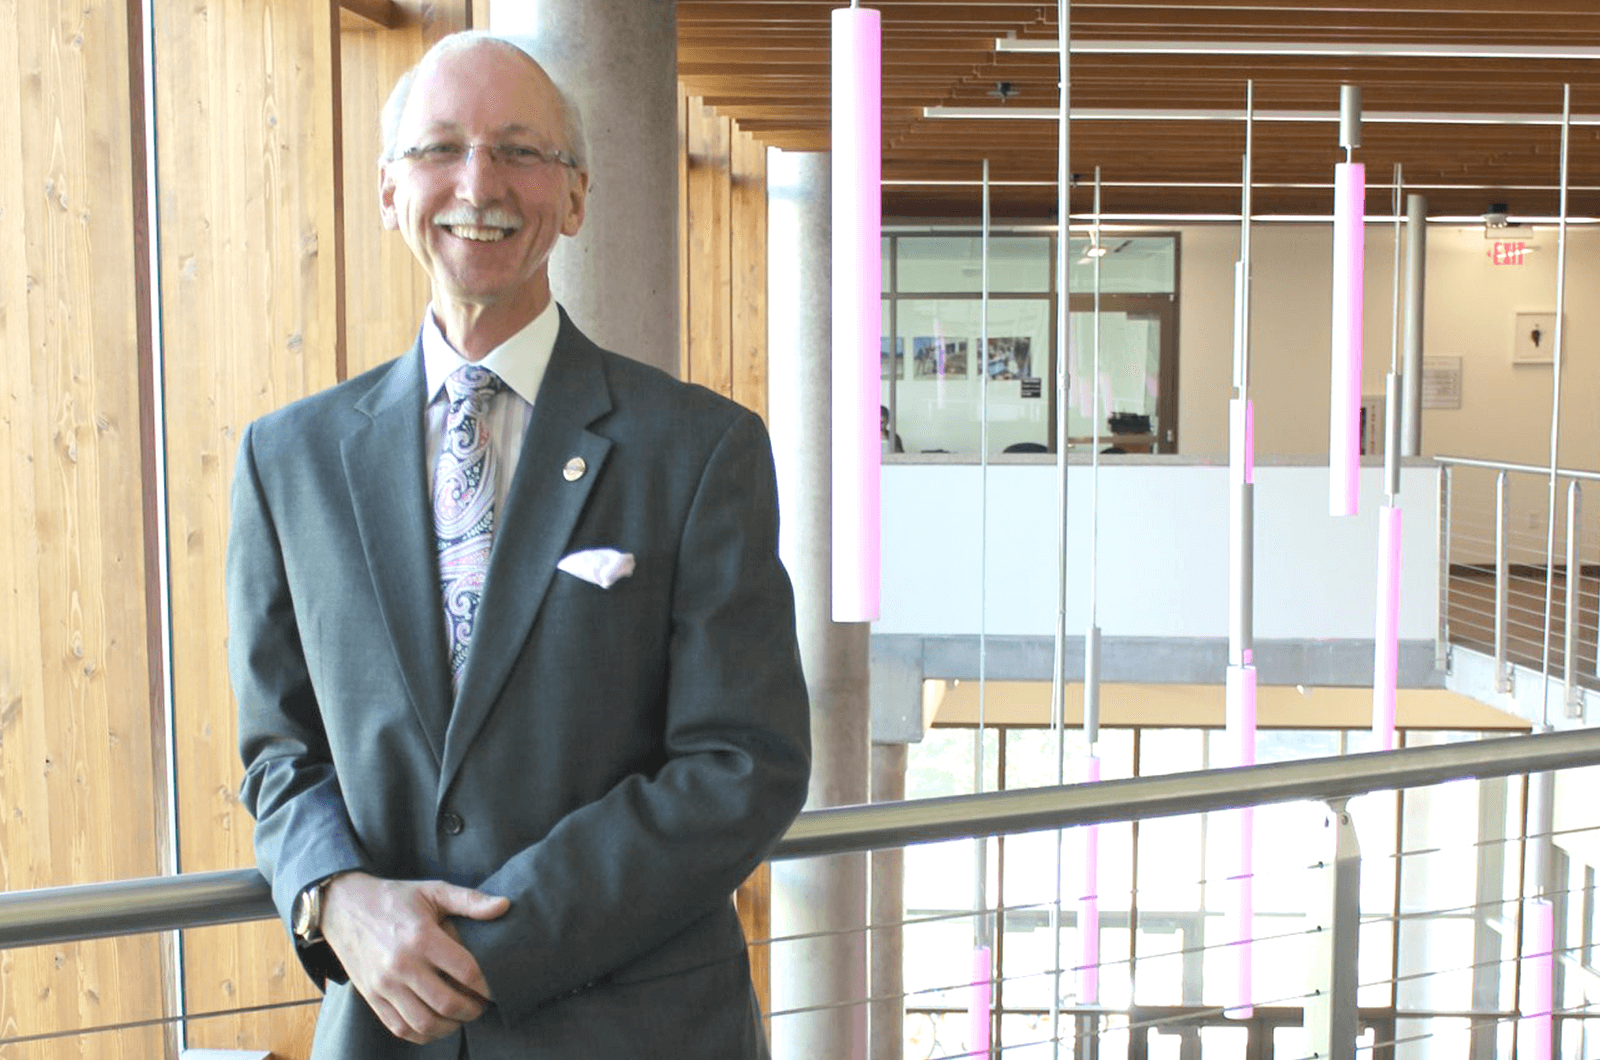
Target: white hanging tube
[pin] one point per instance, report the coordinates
(857, 124)
(1386, 650)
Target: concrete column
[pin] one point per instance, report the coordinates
(886, 943)
(619, 59)
(821, 897)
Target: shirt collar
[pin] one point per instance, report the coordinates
(520, 361)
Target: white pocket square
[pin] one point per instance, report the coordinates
(604, 567)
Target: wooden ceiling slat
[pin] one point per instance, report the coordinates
(764, 63)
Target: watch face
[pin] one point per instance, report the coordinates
(302, 913)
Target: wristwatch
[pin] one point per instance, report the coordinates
(308, 911)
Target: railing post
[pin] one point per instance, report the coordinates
(1502, 579)
(1331, 1015)
(1441, 646)
(1574, 576)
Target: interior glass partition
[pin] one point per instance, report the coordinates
(934, 372)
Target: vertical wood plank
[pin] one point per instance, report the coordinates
(754, 903)
(685, 285)
(722, 240)
(76, 772)
(386, 290)
(747, 307)
(249, 318)
(710, 362)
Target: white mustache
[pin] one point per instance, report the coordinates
(494, 217)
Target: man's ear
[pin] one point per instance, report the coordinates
(577, 198)
(386, 198)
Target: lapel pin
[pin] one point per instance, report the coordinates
(574, 469)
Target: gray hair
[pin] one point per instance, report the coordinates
(395, 108)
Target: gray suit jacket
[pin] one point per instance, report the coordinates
(617, 760)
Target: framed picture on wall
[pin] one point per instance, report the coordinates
(1010, 358)
(1534, 338)
(939, 358)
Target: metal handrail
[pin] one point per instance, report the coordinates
(1500, 465)
(97, 910)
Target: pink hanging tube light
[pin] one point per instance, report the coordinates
(1349, 219)
(857, 288)
(980, 1006)
(1538, 981)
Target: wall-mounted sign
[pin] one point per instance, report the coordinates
(1508, 251)
(1441, 382)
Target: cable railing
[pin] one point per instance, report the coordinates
(1520, 571)
(123, 907)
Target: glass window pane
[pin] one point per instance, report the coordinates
(1435, 1038)
(943, 763)
(1129, 378)
(1171, 892)
(947, 264)
(936, 1035)
(939, 403)
(938, 960)
(1027, 1036)
(1130, 264)
(1374, 817)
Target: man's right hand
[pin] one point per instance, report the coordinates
(396, 944)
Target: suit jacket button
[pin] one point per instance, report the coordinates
(452, 823)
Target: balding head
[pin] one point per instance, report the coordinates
(394, 109)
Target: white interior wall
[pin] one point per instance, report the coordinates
(1163, 551)
(1470, 306)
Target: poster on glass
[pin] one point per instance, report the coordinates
(1009, 357)
(936, 357)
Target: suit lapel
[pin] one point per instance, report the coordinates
(383, 463)
(532, 531)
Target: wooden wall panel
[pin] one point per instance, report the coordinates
(723, 255)
(747, 302)
(684, 104)
(78, 746)
(710, 265)
(722, 282)
(386, 290)
(245, 124)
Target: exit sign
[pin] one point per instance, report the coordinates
(1508, 252)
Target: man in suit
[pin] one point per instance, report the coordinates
(520, 702)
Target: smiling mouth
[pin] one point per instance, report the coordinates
(479, 233)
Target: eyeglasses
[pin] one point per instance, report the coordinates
(445, 156)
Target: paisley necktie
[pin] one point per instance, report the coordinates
(463, 505)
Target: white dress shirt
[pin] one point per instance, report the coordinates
(520, 362)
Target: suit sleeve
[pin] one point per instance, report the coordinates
(622, 875)
(303, 831)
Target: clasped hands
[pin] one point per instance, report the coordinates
(396, 942)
